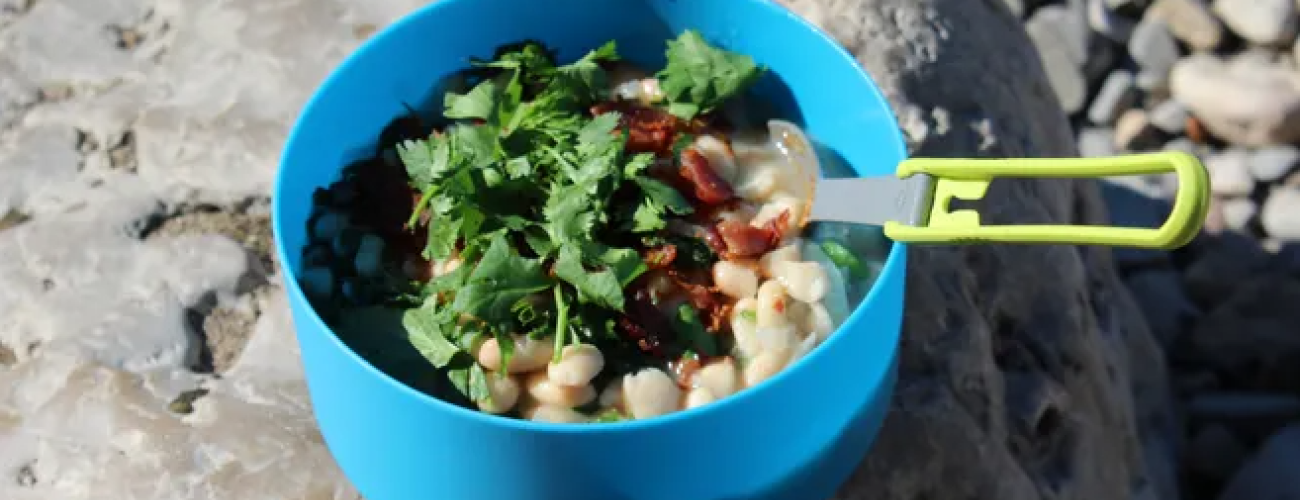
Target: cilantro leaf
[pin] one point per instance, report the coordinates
(687, 324)
(424, 330)
(600, 287)
(664, 195)
(500, 279)
(699, 77)
(470, 379)
(479, 103)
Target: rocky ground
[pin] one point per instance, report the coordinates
(1216, 78)
(146, 350)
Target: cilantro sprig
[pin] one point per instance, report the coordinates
(544, 206)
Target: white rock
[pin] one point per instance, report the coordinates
(1281, 214)
(1189, 20)
(1062, 48)
(1273, 163)
(1238, 212)
(1265, 22)
(1246, 100)
(1229, 173)
(1169, 116)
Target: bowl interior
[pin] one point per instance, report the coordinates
(811, 82)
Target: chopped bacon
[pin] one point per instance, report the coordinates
(742, 240)
(714, 239)
(706, 184)
(649, 129)
(645, 324)
(712, 305)
(660, 257)
(684, 370)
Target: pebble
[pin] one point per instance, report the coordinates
(1272, 473)
(1153, 47)
(1216, 452)
(1238, 212)
(1247, 100)
(1190, 21)
(1062, 43)
(1273, 163)
(1133, 131)
(1169, 116)
(1265, 22)
(1103, 19)
(1118, 93)
(1281, 214)
(1153, 82)
(1230, 172)
(1096, 142)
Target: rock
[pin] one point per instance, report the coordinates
(1215, 452)
(1117, 94)
(1271, 474)
(1187, 146)
(1265, 22)
(1223, 264)
(1249, 337)
(1104, 20)
(1153, 47)
(1243, 406)
(1189, 20)
(1245, 100)
(1097, 142)
(1132, 203)
(1271, 164)
(1062, 42)
(1017, 7)
(981, 432)
(1281, 214)
(1133, 131)
(1164, 302)
(1230, 172)
(1169, 116)
(1238, 212)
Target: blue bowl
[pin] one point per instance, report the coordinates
(797, 436)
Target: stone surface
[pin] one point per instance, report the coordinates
(1246, 100)
(1281, 214)
(1267, 22)
(1230, 172)
(1238, 213)
(1189, 20)
(1272, 473)
(1062, 42)
(1153, 47)
(143, 112)
(1273, 163)
(1117, 94)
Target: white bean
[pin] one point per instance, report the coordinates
(503, 391)
(744, 322)
(528, 355)
(802, 349)
(577, 366)
(770, 305)
(370, 253)
(773, 208)
(718, 155)
(650, 393)
(787, 253)
(548, 392)
(765, 365)
(719, 377)
(735, 280)
(328, 225)
(698, 397)
(818, 322)
(775, 338)
(805, 281)
(612, 395)
(552, 414)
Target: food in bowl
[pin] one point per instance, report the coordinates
(586, 242)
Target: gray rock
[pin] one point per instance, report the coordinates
(1062, 42)
(1223, 265)
(1097, 142)
(1250, 335)
(1103, 19)
(1153, 47)
(1169, 116)
(1216, 453)
(1273, 163)
(1238, 212)
(1132, 203)
(1164, 302)
(1017, 7)
(1185, 145)
(984, 51)
(1271, 474)
(1265, 22)
(1243, 406)
(1117, 94)
(1281, 214)
(1190, 21)
(1246, 100)
(1230, 172)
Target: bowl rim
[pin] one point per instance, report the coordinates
(895, 261)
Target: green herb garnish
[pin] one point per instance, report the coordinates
(545, 207)
(841, 256)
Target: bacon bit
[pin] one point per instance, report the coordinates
(645, 324)
(660, 257)
(649, 129)
(743, 240)
(707, 185)
(778, 226)
(714, 239)
(684, 369)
